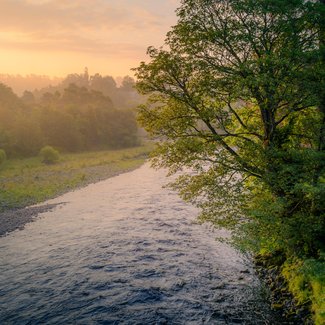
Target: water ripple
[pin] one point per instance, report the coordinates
(125, 251)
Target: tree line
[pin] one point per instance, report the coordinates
(78, 114)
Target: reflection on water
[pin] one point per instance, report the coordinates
(125, 251)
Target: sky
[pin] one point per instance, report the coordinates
(58, 37)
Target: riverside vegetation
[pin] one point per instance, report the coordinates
(237, 95)
(81, 113)
(28, 181)
(84, 129)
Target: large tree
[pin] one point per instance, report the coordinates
(235, 97)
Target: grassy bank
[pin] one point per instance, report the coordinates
(28, 181)
(306, 281)
(297, 286)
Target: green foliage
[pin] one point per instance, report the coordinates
(3, 156)
(235, 95)
(68, 117)
(49, 155)
(306, 280)
(84, 119)
(29, 181)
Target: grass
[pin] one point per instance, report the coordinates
(28, 181)
(306, 281)
(304, 278)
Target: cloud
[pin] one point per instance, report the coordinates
(73, 43)
(69, 23)
(117, 29)
(17, 15)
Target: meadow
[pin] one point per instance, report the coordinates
(28, 181)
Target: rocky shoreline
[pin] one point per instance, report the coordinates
(16, 219)
(282, 301)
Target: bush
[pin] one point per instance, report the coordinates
(3, 156)
(49, 155)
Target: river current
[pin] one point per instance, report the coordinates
(125, 251)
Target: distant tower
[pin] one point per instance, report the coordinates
(86, 75)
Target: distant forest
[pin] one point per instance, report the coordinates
(81, 112)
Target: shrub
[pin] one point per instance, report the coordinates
(3, 156)
(49, 155)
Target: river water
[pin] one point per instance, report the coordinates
(125, 251)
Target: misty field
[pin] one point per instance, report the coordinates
(28, 181)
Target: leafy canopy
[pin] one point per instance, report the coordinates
(236, 100)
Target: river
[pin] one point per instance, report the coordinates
(125, 251)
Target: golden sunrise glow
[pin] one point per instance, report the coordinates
(58, 37)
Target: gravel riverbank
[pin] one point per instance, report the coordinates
(13, 219)
(16, 219)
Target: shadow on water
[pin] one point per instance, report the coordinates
(125, 251)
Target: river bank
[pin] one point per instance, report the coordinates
(297, 287)
(26, 182)
(281, 299)
(118, 162)
(126, 250)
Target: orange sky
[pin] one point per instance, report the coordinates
(57, 37)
